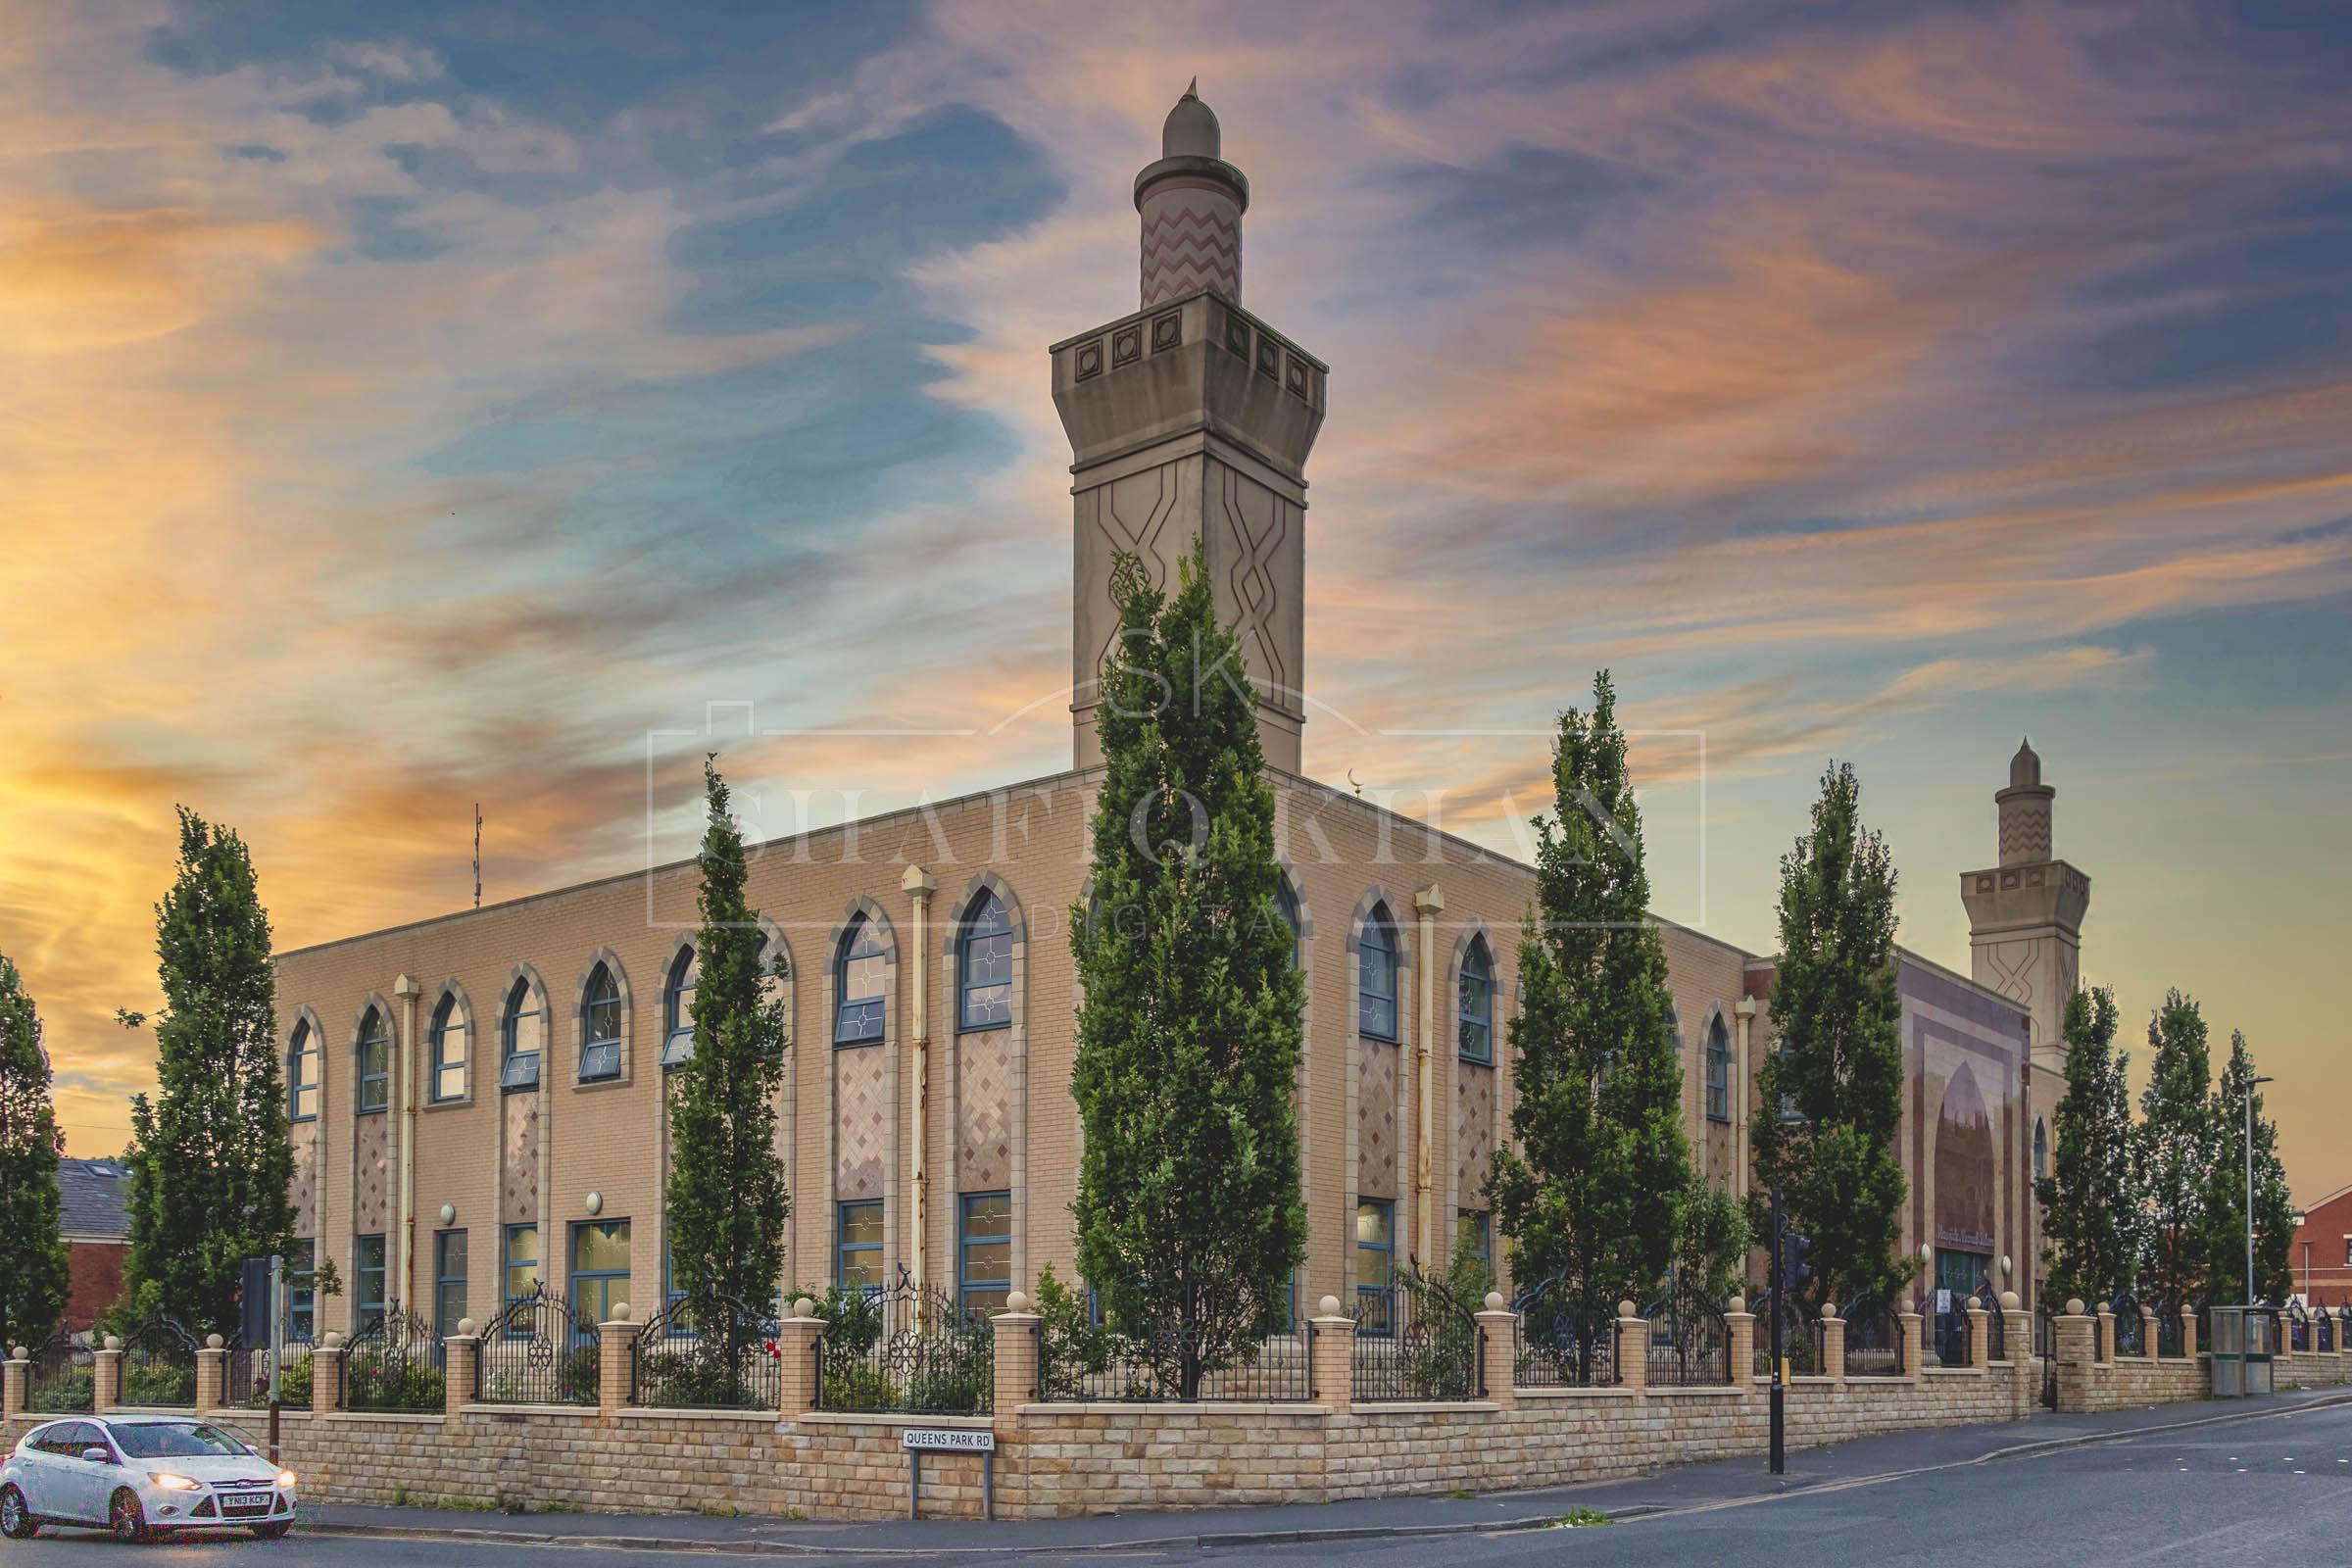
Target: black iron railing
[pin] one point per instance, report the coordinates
(247, 1381)
(1946, 1331)
(1800, 1338)
(1102, 1364)
(910, 1348)
(1690, 1345)
(61, 1378)
(1874, 1340)
(2131, 1326)
(1567, 1339)
(1416, 1340)
(2172, 1338)
(706, 1354)
(1996, 1329)
(539, 1350)
(396, 1365)
(159, 1367)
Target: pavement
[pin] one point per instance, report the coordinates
(1680, 1492)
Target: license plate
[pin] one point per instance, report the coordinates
(247, 1502)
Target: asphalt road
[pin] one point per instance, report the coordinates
(2268, 1491)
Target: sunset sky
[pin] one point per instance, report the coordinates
(409, 405)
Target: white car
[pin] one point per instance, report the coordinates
(143, 1475)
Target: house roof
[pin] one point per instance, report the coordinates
(97, 1198)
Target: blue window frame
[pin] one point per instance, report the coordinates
(1478, 1004)
(1376, 977)
(859, 972)
(302, 1074)
(375, 1063)
(449, 1050)
(1473, 1234)
(520, 1034)
(600, 1268)
(984, 966)
(302, 1291)
(600, 1017)
(858, 1245)
(449, 1282)
(520, 1270)
(1375, 1260)
(677, 1010)
(984, 1275)
(368, 1269)
(1719, 1071)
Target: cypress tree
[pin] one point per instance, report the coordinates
(1188, 1214)
(2224, 1226)
(2087, 1220)
(1591, 1195)
(34, 1284)
(1837, 1074)
(727, 1201)
(2174, 1155)
(214, 1157)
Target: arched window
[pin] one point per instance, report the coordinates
(2042, 1149)
(520, 1034)
(677, 1010)
(1285, 905)
(858, 971)
(984, 966)
(375, 1063)
(449, 1050)
(1719, 1070)
(1376, 976)
(302, 1074)
(1478, 1003)
(600, 1017)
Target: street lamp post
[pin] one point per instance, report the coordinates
(2300, 1217)
(2250, 1088)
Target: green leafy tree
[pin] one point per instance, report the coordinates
(1837, 1074)
(727, 1201)
(2175, 1151)
(1590, 1195)
(2088, 1219)
(1188, 1213)
(1710, 1250)
(213, 1159)
(33, 1285)
(2225, 1225)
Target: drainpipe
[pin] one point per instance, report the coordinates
(1427, 903)
(404, 1075)
(919, 884)
(1745, 1012)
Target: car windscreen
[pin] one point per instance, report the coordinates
(176, 1440)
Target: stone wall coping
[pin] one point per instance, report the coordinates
(1525, 1395)
(764, 1418)
(1672, 1390)
(1953, 1371)
(1816, 1381)
(888, 1418)
(404, 1418)
(1197, 1407)
(1427, 1408)
(580, 1412)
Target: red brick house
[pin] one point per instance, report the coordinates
(97, 1229)
(2322, 1254)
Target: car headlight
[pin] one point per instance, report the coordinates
(170, 1482)
(285, 1478)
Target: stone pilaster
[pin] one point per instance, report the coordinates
(327, 1375)
(1741, 1325)
(1832, 1343)
(2072, 1337)
(2106, 1339)
(615, 1360)
(105, 1376)
(1017, 1359)
(1633, 1348)
(1498, 1352)
(797, 1340)
(460, 1367)
(1980, 1337)
(15, 1373)
(1908, 1327)
(2188, 1331)
(2147, 1332)
(2017, 1329)
(211, 1374)
(1335, 1356)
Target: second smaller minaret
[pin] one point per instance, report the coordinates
(1191, 203)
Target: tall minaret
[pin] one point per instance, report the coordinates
(2025, 918)
(1192, 418)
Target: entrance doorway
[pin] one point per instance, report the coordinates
(1959, 1276)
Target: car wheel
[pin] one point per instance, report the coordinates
(274, 1530)
(15, 1520)
(126, 1518)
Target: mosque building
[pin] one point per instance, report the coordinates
(480, 1099)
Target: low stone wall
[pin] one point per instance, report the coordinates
(2311, 1369)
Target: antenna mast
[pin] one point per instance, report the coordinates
(477, 855)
